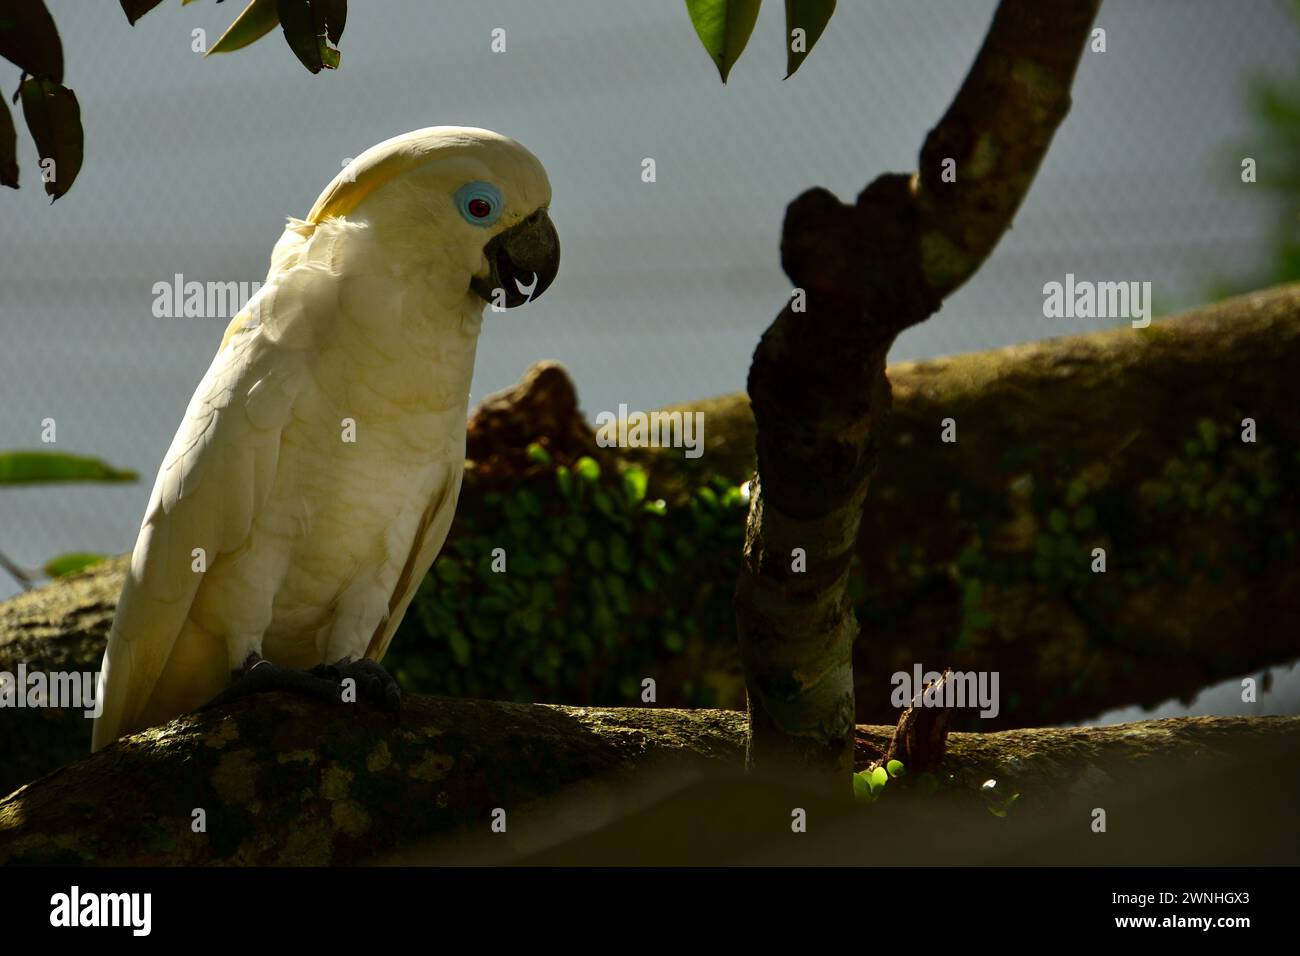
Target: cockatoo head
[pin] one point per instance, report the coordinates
(454, 197)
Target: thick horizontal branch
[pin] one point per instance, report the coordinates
(1089, 430)
(278, 779)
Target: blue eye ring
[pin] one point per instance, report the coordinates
(480, 203)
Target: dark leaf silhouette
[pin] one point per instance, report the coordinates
(336, 15)
(8, 148)
(809, 16)
(28, 37)
(308, 27)
(54, 120)
(135, 9)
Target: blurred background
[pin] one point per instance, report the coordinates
(192, 165)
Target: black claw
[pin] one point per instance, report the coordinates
(373, 682)
(259, 675)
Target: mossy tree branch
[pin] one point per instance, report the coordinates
(285, 780)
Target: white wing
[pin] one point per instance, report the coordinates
(212, 483)
(429, 540)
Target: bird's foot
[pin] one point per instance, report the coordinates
(372, 681)
(324, 682)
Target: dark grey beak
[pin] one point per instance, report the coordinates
(522, 262)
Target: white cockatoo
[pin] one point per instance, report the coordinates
(314, 477)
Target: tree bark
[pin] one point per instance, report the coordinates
(817, 382)
(286, 780)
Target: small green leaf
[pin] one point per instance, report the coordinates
(564, 481)
(54, 120)
(31, 467)
(255, 21)
(810, 17)
(861, 786)
(1209, 433)
(734, 497)
(539, 454)
(634, 485)
(1058, 521)
(723, 27)
(879, 777)
(895, 768)
(587, 469)
(66, 564)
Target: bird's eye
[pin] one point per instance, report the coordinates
(480, 203)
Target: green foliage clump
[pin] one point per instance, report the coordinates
(1218, 482)
(869, 784)
(575, 586)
